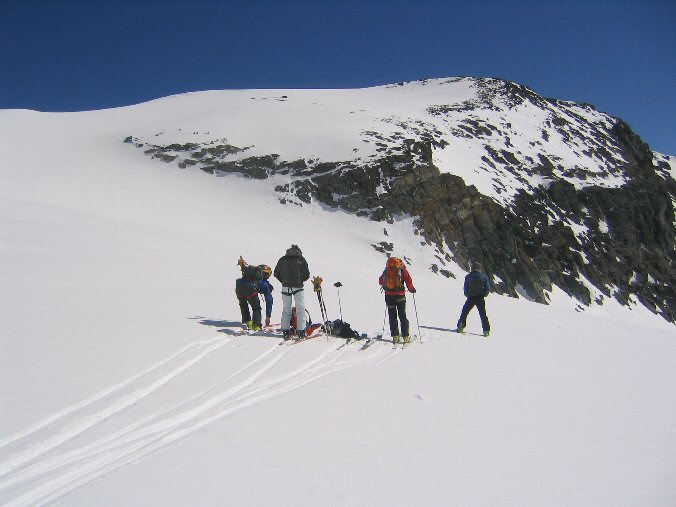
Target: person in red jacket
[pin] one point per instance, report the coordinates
(392, 281)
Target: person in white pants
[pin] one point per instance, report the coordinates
(292, 295)
(292, 271)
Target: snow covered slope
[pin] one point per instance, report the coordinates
(124, 382)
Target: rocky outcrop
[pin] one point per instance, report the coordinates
(627, 246)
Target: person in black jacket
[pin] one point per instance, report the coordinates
(292, 271)
(476, 288)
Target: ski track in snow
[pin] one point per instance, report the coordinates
(43, 472)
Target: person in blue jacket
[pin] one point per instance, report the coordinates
(265, 288)
(254, 281)
(476, 288)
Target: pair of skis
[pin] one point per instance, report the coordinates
(275, 330)
(312, 334)
(271, 330)
(402, 344)
(371, 341)
(483, 335)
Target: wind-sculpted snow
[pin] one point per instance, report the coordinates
(122, 424)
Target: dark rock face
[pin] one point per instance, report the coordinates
(620, 241)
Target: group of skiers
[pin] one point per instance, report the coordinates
(292, 272)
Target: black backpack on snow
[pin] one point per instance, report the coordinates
(343, 330)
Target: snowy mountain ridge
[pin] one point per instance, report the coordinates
(490, 170)
(464, 119)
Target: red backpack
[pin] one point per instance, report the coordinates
(394, 274)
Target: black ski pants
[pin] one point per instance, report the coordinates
(255, 304)
(396, 305)
(471, 302)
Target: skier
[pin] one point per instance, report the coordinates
(254, 281)
(392, 282)
(476, 288)
(292, 271)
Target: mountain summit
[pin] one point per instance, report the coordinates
(543, 192)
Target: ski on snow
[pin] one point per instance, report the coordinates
(271, 330)
(294, 341)
(402, 345)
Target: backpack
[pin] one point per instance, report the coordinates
(253, 272)
(246, 288)
(475, 287)
(343, 330)
(394, 279)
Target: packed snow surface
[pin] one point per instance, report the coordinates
(124, 381)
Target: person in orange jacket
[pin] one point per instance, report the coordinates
(392, 281)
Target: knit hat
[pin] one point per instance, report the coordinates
(294, 250)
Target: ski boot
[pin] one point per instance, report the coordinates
(256, 327)
(287, 334)
(249, 324)
(460, 329)
(487, 334)
(395, 339)
(301, 335)
(407, 339)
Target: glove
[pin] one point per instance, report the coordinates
(412, 291)
(267, 321)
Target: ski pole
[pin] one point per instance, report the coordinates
(261, 301)
(322, 306)
(340, 306)
(317, 285)
(415, 307)
(382, 334)
(325, 315)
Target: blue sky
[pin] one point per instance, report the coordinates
(618, 55)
